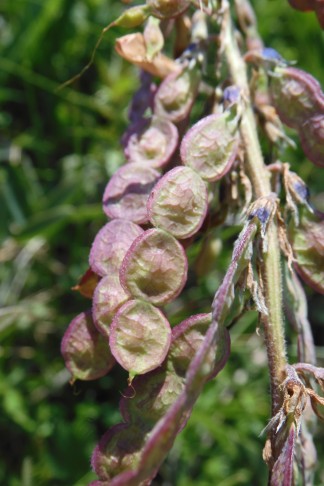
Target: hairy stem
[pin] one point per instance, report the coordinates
(271, 270)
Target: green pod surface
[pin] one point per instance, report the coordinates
(296, 95)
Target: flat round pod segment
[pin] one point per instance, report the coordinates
(166, 9)
(150, 397)
(296, 95)
(307, 241)
(153, 144)
(108, 296)
(155, 267)
(85, 351)
(176, 94)
(311, 135)
(127, 192)
(122, 441)
(178, 203)
(140, 337)
(210, 146)
(187, 339)
(111, 244)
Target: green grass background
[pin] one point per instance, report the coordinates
(57, 150)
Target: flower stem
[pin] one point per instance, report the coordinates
(259, 175)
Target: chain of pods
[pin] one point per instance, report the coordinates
(138, 262)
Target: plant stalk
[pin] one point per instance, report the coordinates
(258, 173)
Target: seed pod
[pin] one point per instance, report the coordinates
(296, 95)
(153, 144)
(85, 351)
(156, 391)
(124, 441)
(311, 135)
(154, 268)
(210, 146)
(166, 9)
(176, 94)
(110, 246)
(187, 337)
(127, 192)
(178, 203)
(109, 295)
(307, 241)
(140, 337)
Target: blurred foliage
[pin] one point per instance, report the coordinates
(57, 150)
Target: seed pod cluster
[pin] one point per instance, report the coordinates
(155, 393)
(299, 102)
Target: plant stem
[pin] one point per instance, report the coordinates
(258, 173)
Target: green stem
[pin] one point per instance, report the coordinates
(258, 173)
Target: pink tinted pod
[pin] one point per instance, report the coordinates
(110, 246)
(127, 192)
(178, 203)
(307, 241)
(108, 296)
(296, 95)
(311, 135)
(165, 9)
(140, 337)
(153, 144)
(154, 268)
(85, 351)
(176, 94)
(210, 146)
(123, 441)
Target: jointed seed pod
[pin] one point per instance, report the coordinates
(110, 246)
(140, 337)
(178, 203)
(210, 146)
(85, 351)
(154, 268)
(127, 192)
(311, 134)
(165, 9)
(296, 95)
(108, 296)
(307, 241)
(176, 94)
(153, 144)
